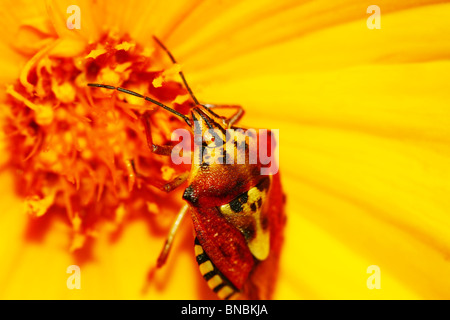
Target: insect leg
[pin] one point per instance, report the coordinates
(134, 176)
(235, 117)
(176, 182)
(162, 258)
(169, 240)
(161, 150)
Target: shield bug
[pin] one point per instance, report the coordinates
(237, 211)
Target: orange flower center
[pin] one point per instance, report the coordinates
(84, 150)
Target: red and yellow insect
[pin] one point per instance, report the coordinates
(237, 212)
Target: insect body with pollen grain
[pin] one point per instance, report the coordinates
(237, 212)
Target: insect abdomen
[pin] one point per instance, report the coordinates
(216, 281)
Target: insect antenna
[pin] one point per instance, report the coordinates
(98, 85)
(180, 72)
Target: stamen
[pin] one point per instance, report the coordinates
(79, 151)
